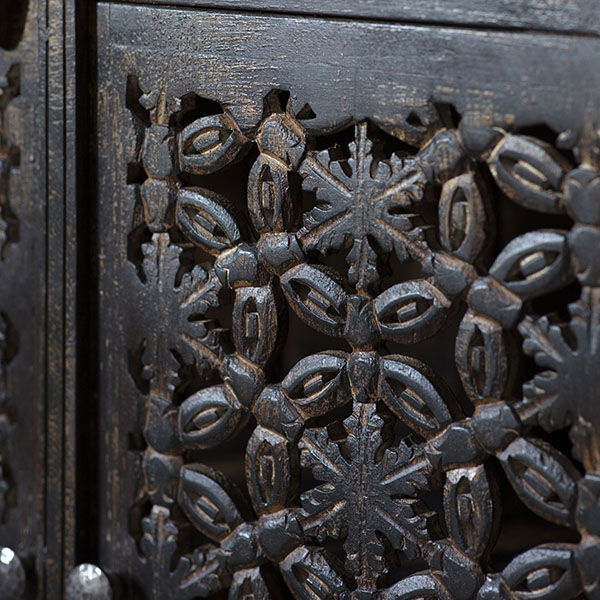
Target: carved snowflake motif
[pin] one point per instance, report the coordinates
(562, 390)
(370, 490)
(362, 201)
(194, 341)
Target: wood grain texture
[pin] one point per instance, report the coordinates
(581, 16)
(360, 70)
(153, 209)
(23, 287)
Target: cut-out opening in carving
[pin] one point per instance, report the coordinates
(306, 113)
(437, 352)
(190, 257)
(231, 182)
(136, 513)
(556, 304)
(193, 107)
(191, 379)
(389, 144)
(9, 340)
(513, 220)
(136, 441)
(520, 528)
(188, 538)
(276, 101)
(135, 240)
(133, 94)
(229, 463)
(136, 365)
(8, 492)
(13, 16)
(339, 140)
(394, 272)
(136, 174)
(448, 116)
(414, 120)
(302, 341)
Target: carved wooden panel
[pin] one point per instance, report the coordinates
(349, 311)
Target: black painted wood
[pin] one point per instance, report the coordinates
(581, 16)
(277, 284)
(216, 128)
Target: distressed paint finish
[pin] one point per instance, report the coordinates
(268, 303)
(396, 142)
(573, 17)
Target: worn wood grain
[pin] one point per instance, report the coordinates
(581, 16)
(350, 84)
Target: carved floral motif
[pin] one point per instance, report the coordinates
(370, 487)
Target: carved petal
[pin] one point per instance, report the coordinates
(469, 509)
(269, 195)
(206, 501)
(248, 584)
(481, 357)
(543, 573)
(317, 384)
(270, 471)
(410, 311)
(209, 143)
(209, 417)
(544, 479)
(422, 586)
(311, 577)
(462, 217)
(316, 298)
(412, 396)
(534, 263)
(530, 172)
(203, 218)
(255, 323)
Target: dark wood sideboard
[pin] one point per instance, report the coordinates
(300, 300)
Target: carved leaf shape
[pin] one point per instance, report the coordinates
(248, 584)
(210, 143)
(309, 576)
(159, 545)
(411, 311)
(316, 297)
(186, 336)
(206, 498)
(255, 323)
(270, 470)
(534, 263)
(530, 172)
(269, 195)
(544, 573)
(422, 586)
(203, 218)
(469, 509)
(210, 417)
(412, 397)
(462, 217)
(481, 357)
(317, 384)
(543, 478)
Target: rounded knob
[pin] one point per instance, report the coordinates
(88, 582)
(12, 575)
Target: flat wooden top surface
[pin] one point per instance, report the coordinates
(574, 16)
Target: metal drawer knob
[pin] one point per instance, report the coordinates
(88, 582)
(12, 575)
